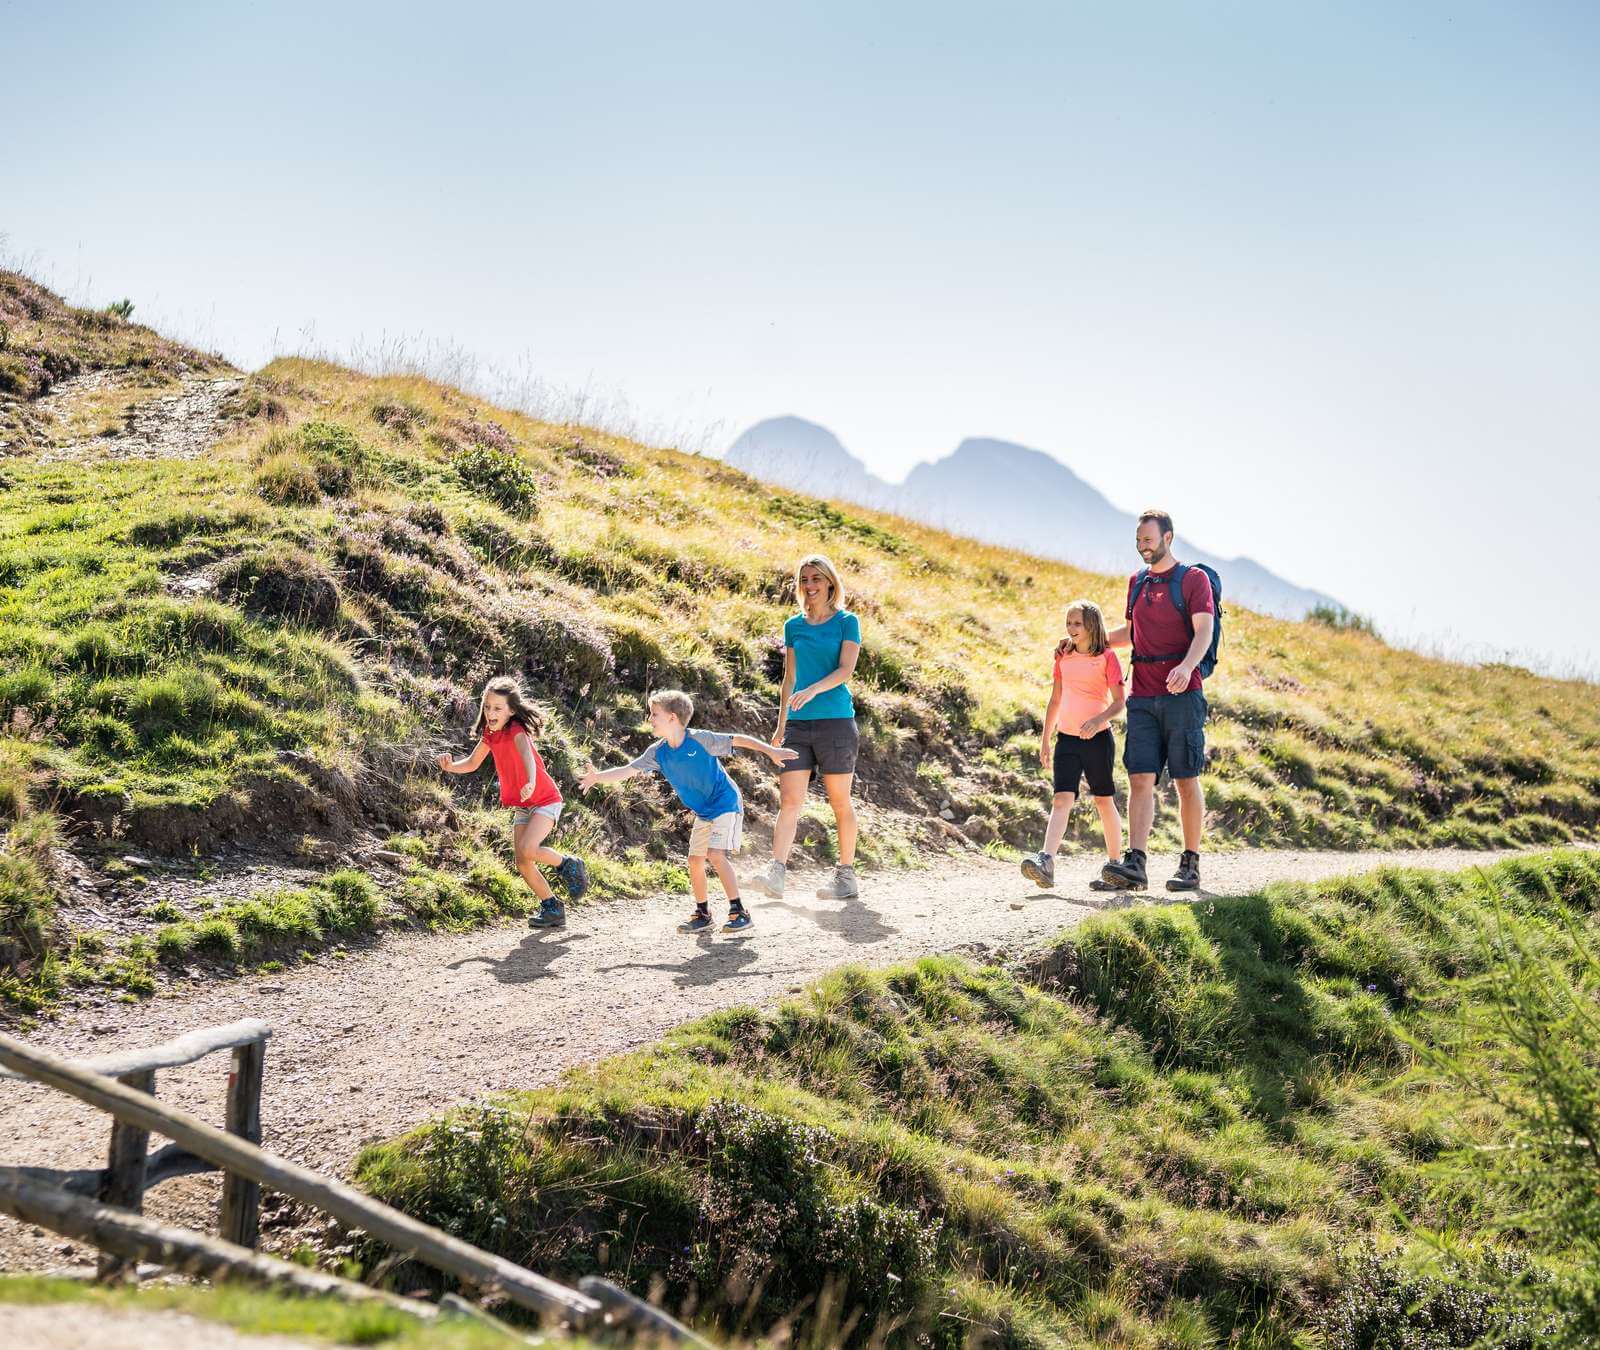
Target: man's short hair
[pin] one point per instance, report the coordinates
(674, 701)
(1161, 518)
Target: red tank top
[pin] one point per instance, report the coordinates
(513, 776)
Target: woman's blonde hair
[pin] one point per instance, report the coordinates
(824, 565)
(527, 715)
(1094, 621)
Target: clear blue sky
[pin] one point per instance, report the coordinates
(1321, 277)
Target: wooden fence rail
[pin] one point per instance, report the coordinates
(137, 1114)
(132, 1169)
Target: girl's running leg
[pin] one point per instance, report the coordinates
(1060, 813)
(528, 839)
(1111, 824)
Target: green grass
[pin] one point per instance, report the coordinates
(273, 641)
(1184, 1128)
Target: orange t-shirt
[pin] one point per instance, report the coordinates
(1086, 685)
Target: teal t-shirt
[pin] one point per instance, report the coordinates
(816, 653)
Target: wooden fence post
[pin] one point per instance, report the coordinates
(241, 1197)
(124, 1179)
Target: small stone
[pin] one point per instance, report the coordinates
(270, 989)
(947, 814)
(1016, 904)
(100, 1029)
(134, 860)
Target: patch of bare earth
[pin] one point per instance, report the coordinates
(76, 1326)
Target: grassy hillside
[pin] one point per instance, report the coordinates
(267, 645)
(1196, 1125)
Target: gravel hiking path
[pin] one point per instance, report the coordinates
(370, 1044)
(180, 423)
(72, 1326)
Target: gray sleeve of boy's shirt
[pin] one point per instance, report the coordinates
(646, 763)
(719, 743)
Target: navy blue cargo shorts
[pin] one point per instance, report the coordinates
(1167, 732)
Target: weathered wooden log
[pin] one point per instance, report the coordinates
(184, 1049)
(162, 1165)
(643, 1318)
(132, 1237)
(346, 1204)
(241, 1197)
(123, 1186)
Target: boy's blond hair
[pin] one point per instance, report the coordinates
(824, 565)
(674, 701)
(1094, 621)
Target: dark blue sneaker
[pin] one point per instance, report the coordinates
(738, 919)
(697, 922)
(552, 914)
(576, 876)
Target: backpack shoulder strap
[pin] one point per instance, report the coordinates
(1175, 590)
(1137, 589)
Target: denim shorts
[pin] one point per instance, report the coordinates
(521, 815)
(1168, 732)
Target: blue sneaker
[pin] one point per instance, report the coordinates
(697, 922)
(738, 919)
(576, 876)
(552, 914)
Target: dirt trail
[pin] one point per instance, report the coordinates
(180, 423)
(71, 1326)
(367, 1045)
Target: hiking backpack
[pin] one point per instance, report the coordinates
(1208, 662)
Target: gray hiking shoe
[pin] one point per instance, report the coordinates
(769, 882)
(1040, 868)
(842, 887)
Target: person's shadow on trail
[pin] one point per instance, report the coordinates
(711, 964)
(529, 960)
(852, 921)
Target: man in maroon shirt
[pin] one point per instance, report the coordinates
(1166, 709)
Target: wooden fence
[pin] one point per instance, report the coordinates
(101, 1205)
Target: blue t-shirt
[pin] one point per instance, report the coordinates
(702, 784)
(816, 654)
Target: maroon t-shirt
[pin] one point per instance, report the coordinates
(1159, 628)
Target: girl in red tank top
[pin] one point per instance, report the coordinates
(506, 726)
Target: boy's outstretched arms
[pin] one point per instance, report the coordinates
(466, 765)
(778, 754)
(592, 775)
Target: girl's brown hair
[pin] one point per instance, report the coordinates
(1094, 621)
(525, 714)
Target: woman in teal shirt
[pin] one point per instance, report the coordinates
(817, 720)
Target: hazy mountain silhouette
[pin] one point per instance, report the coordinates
(998, 492)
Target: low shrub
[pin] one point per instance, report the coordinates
(499, 476)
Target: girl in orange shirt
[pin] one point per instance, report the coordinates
(1085, 694)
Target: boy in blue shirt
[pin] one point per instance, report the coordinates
(690, 762)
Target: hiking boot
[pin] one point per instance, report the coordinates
(552, 914)
(1187, 877)
(770, 882)
(697, 922)
(1099, 884)
(1040, 868)
(738, 919)
(842, 887)
(575, 874)
(1127, 875)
